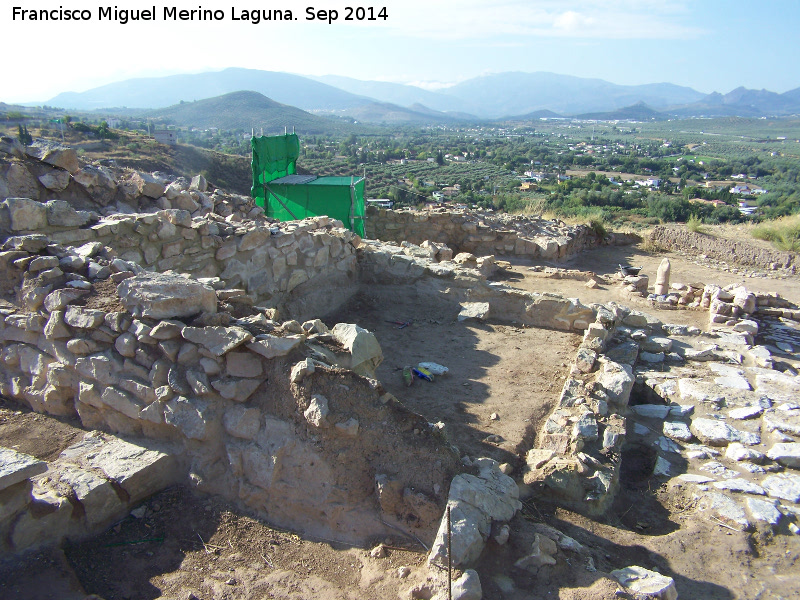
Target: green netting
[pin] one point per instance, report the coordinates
(337, 197)
(273, 157)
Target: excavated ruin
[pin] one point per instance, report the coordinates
(188, 335)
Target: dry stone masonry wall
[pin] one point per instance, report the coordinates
(485, 234)
(272, 415)
(313, 259)
(729, 251)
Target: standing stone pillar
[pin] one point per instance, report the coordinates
(662, 278)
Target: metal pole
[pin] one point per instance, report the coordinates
(266, 187)
(449, 559)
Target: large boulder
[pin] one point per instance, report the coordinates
(63, 158)
(476, 502)
(61, 214)
(161, 296)
(98, 182)
(617, 380)
(17, 180)
(25, 214)
(365, 351)
(147, 185)
(55, 180)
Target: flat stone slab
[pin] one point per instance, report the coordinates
(16, 466)
(787, 454)
(734, 382)
(763, 510)
(784, 486)
(626, 352)
(778, 386)
(740, 485)
(474, 310)
(725, 508)
(746, 412)
(786, 421)
(719, 433)
(218, 340)
(139, 471)
(677, 431)
(270, 346)
(651, 411)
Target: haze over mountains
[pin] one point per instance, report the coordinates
(243, 110)
(502, 95)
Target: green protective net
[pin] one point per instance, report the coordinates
(337, 197)
(340, 198)
(273, 157)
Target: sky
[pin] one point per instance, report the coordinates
(709, 45)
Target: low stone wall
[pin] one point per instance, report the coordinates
(308, 266)
(301, 441)
(731, 251)
(482, 234)
(577, 457)
(259, 411)
(89, 486)
(389, 264)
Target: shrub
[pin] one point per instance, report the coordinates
(695, 225)
(599, 228)
(651, 246)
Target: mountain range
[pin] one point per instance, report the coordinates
(243, 110)
(498, 96)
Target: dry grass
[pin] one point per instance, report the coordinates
(784, 233)
(695, 225)
(650, 246)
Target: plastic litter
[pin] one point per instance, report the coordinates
(423, 374)
(434, 368)
(408, 376)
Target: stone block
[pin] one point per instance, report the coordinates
(16, 467)
(140, 471)
(243, 364)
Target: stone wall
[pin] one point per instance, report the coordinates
(730, 251)
(463, 282)
(89, 486)
(482, 234)
(246, 403)
(307, 266)
(271, 415)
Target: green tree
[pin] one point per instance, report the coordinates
(25, 138)
(439, 158)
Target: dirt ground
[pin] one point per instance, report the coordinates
(502, 379)
(186, 545)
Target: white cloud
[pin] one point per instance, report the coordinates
(465, 20)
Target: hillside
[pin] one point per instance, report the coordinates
(517, 93)
(392, 114)
(395, 93)
(534, 116)
(490, 96)
(158, 92)
(637, 112)
(245, 110)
